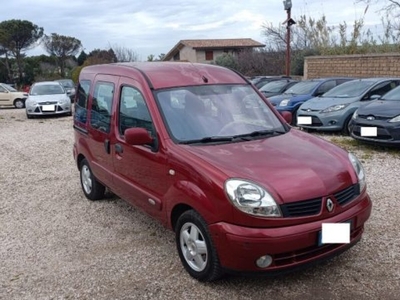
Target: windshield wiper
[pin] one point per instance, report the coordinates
(209, 139)
(258, 133)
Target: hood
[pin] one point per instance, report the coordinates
(44, 98)
(293, 98)
(381, 108)
(319, 103)
(293, 166)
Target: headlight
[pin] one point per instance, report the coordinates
(251, 199)
(284, 102)
(31, 103)
(334, 108)
(355, 115)
(358, 168)
(395, 119)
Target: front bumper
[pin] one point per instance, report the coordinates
(291, 247)
(387, 133)
(48, 109)
(323, 122)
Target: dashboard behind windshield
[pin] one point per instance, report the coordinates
(199, 112)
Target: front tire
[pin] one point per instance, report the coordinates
(195, 247)
(346, 126)
(92, 189)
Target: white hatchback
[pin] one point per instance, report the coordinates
(47, 98)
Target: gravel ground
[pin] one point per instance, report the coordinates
(55, 244)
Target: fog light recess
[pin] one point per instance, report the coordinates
(264, 261)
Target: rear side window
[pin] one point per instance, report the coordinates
(100, 118)
(82, 101)
(133, 111)
(383, 88)
(326, 86)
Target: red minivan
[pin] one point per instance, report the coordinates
(201, 150)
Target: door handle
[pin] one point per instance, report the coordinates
(107, 146)
(119, 149)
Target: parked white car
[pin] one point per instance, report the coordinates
(11, 97)
(47, 98)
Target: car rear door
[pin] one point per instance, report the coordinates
(141, 174)
(99, 129)
(4, 96)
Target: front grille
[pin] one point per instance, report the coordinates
(315, 121)
(375, 117)
(289, 258)
(302, 208)
(48, 102)
(348, 194)
(313, 206)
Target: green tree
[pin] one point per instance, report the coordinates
(226, 60)
(61, 47)
(151, 57)
(81, 58)
(17, 36)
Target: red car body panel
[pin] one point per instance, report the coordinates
(292, 167)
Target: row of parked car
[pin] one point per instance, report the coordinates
(42, 98)
(367, 109)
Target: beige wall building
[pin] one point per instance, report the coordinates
(206, 51)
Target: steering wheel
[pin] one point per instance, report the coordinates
(227, 129)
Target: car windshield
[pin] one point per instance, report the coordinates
(66, 83)
(302, 88)
(393, 95)
(9, 88)
(217, 113)
(273, 86)
(349, 89)
(47, 89)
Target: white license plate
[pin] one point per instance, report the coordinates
(369, 131)
(48, 108)
(335, 233)
(304, 120)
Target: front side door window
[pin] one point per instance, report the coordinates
(133, 111)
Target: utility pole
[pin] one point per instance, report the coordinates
(287, 4)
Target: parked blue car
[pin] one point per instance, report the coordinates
(299, 93)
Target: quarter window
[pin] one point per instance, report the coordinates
(81, 101)
(101, 106)
(133, 111)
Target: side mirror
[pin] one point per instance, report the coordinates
(375, 97)
(287, 115)
(137, 136)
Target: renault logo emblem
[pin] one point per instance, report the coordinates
(329, 205)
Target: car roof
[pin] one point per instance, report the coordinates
(377, 79)
(329, 78)
(46, 83)
(170, 74)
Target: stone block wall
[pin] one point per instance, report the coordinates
(366, 65)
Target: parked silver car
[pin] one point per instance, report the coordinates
(333, 110)
(47, 98)
(69, 86)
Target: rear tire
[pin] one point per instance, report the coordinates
(19, 103)
(92, 189)
(195, 247)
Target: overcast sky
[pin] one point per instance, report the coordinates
(155, 26)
